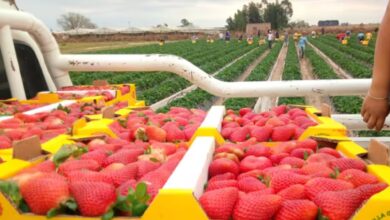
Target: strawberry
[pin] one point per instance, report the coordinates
(221, 184)
(244, 111)
(275, 122)
(173, 132)
(250, 184)
(123, 189)
(96, 155)
(46, 167)
(276, 158)
(262, 134)
(225, 176)
(190, 130)
(258, 150)
(72, 165)
(252, 163)
(317, 185)
(282, 180)
(87, 176)
(252, 173)
(239, 135)
(338, 205)
(297, 209)
(229, 156)
(308, 144)
(155, 133)
(281, 109)
(293, 192)
(145, 166)
(227, 131)
(271, 171)
(219, 204)
(123, 156)
(223, 165)
(317, 170)
(93, 198)
(267, 191)
(254, 207)
(293, 161)
(320, 158)
(282, 133)
(44, 193)
(357, 177)
(168, 148)
(121, 173)
(347, 163)
(302, 153)
(331, 151)
(369, 190)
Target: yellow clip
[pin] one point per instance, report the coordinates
(380, 171)
(53, 145)
(175, 204)
(95, 127)
(48, 97)
(208, 132)
(350, 149)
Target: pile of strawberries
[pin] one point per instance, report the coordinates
(70, 96)
(292, 180)
(179, 124)
(11, 108)
(46, 125)
(279, 124)
(99, 177)
(123, 88)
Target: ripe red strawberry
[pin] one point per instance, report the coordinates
(317, 170)
(293, 161)
(267, 191)
(308, 143)
(123, 156)
(258, 150)
(357, 177)
(317, 185)
(155, 133)
(223, 165)
(168, 148)
(44, 193)
(254, 163)
(297, 209)
(227, 131)
(369, 190)
(123, 189)
(276, 158)
(281, 109)
(93, 198)
(239, 135)
(250, 184)
(262, 134)
(275, 122)
(347, 163)
(282, 180)
(254, 207)
(282, 133)
(320, 158)
(302, 153)
(225, 176)
(331, 151)
(96, 155)
(87, 176)
(244, 111)
(145, 166)
(219, 204)
(293, 192)
(120, 174)
(221, 184)
(173, 132)
(72, 165)
(190, 130)
(252, 173)
(46, 167)
(338, 205)
(271, 171)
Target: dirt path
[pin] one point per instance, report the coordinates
(244, 75)
(340, 72)
(266, 103)
(307, 74)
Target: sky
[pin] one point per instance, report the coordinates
(203, 13)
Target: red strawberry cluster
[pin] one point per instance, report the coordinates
(11, 108)
(124, 88)
(290, 181)
(46, 125)
(179, 124)
(279, 124)
(70, 96)
(99, 175)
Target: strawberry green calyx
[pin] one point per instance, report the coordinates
(67, 151)
(141, 134)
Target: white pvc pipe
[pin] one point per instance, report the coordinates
(11, 63)
(355, 122)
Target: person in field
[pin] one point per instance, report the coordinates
(360, 36)
(286, 38)
(375, 107)
(270, 38)
(227, 36)
(302, 45)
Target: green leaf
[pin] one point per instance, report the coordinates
(52, 213)
(154, 159)
(139, 209)
(109, 215)
(140, 190)
(71, 204)
(305, 155)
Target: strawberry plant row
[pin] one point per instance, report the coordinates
(260, 73)
(367, 58)
(199, 97)
(354, 43)
(291, 72)
(353, 66)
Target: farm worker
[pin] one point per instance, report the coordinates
(270, 37)
(227, 36)
(348, 33)
(360, 36)
(323, 31)
(286, 38)
(240, 38)
(313, 34)
(302, 44)
(220, 35)
(341, 36)
(375, 107)
(277, 35)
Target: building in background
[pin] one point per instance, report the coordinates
(253, 29)
(327, 23)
